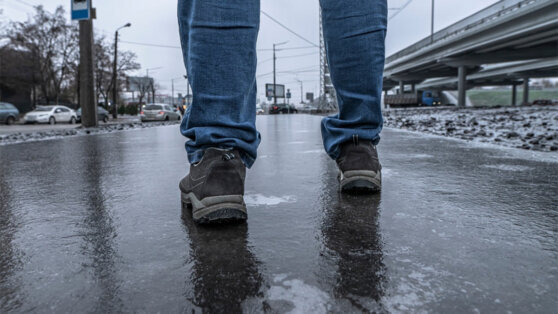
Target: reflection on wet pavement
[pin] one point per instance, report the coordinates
(225, 272)
(93, 224)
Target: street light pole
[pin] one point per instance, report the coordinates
(152, 87)
(114, 74)
(274, 79)
(301, 91)
(432, 23)
(275, 73)
(172, 81)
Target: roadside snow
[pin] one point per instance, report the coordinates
(531, 128)
(22, 137)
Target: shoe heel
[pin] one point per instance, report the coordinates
(216, 209)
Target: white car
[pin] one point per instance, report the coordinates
(51, 115)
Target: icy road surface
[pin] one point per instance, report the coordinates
(93, 224)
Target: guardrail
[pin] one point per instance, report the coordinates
(490, 14)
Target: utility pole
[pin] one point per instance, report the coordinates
(301, 91)
(172, 99)
(275, 74)
(86, 79)
(274, 79)
(432, 23)
(114, 74)
(152, 87)
(187, 90)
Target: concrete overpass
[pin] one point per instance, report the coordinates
(511, 73)
(506, 32)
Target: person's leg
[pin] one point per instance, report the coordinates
(219, 47)
(354, 33)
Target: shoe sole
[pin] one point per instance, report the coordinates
(215, 209)
(360, 181)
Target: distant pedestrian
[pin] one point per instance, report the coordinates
(219, 47)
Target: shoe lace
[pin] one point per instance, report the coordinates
(355, 139)
(228, 156)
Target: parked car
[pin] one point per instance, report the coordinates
(543, 102)
(159, 112)
(8, 113)
(51, 115)
(102, 114)
(259, 109)
(282, 108)
(309, 109)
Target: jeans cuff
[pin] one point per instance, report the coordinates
(196, 156)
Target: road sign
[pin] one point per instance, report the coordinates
(288, 93)
(279, 93)
(81, 9)
(310, 96)
(139, 83)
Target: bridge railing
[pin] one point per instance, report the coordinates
(490, 14)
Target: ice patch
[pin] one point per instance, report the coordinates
(508, 167)
(420, 156)
(279, 278)
(386, 172)
(304, 298)
(259, 199)
(314, 151)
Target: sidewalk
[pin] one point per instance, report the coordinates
(20, 127)
(92, 224)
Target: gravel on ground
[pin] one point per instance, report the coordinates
(529, 127)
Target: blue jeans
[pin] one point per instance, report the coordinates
(219, 47)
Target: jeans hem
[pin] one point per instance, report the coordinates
(196, 156)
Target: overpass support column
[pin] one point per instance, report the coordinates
(462, 86)
(401, 87)
(525, 90)
(514, 95)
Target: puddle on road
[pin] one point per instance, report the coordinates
(508, 167)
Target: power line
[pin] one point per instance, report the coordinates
(290, 48)
(288, 29)
(398, 10)
(296, 56)
(292, 71)
(26, 3)
(149, 44)
(288, 57)
(178, 47)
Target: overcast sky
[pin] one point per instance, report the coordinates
(155, 22)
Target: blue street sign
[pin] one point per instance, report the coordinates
(81, 9)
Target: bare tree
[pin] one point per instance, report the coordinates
(53, 45)
(103, 67)
(104, 53)
(144, 87)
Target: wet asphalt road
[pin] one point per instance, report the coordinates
(93, 224)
